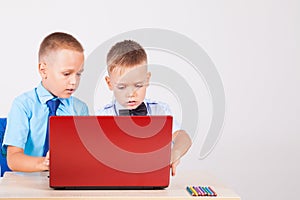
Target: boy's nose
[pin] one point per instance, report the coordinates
(131, 92)
(73, 80)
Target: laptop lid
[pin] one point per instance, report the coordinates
(110, 151)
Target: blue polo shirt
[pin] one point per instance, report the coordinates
(27, 120)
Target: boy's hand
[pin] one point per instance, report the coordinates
(46, 161)
(173, 167)
(182, 143)
(175, 160)
(18, 161)
(44, 165)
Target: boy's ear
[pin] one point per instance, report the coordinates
(148, 77)
(43, 70)
(108, 82)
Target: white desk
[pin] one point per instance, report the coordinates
(16, 185)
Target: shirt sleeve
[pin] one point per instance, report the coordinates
(160, 108)
(17, 128)
(176, 125)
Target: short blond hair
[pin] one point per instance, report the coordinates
(59, 40)
(127, 53)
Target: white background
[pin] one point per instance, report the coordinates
(254, 44)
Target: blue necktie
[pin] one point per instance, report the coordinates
(52, 105)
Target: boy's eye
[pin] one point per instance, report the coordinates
(139, 85)
(78, 74)
(66, 73)
(121, 87)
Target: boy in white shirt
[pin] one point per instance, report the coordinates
(128, 78)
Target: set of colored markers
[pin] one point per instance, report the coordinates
(201, 191)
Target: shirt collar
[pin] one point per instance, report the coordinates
(120, 107)
(117, 107)
(44, 95)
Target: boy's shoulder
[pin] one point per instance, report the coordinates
(110, 105)
(79, 106)
(108, 109)
(27, 97)
(153, 102)
(32, 96)
(157, 107)
(77, 101)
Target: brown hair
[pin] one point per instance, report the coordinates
(127, 53)
(59, 40)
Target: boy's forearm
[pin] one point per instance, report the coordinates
(18, 161)
(182, 143)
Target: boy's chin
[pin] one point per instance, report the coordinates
(64, 96)
(130, 107)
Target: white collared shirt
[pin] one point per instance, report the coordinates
(153, 108)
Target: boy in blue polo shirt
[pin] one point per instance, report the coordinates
(61, 61)
(128, 79)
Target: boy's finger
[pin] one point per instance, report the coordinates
(173, 167)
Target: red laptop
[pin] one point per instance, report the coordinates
(107, 152)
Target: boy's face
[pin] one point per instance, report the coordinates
(61, 71)
(129, 84)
